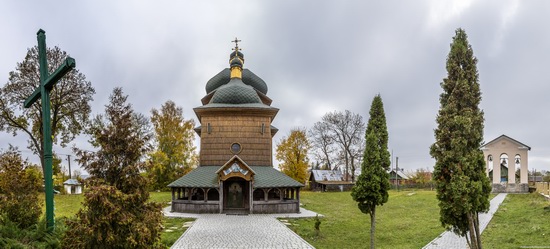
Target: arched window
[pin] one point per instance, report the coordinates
(213, 194)
(197, 194)
(517, 164)
(258, 194)
(504, 160)
(274, 194)
(504, 167)
(517, 160)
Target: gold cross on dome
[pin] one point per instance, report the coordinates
(236, 41)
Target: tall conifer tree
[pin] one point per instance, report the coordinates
(116, 212)
(459, 173)
(371, 188)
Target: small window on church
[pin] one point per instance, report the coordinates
(236, 148)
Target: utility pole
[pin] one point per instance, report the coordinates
(69, 160)
(397, 170)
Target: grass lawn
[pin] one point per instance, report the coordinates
(410, 219)
(68, 205)
(521, 220)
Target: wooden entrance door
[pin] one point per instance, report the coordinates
(235, 194)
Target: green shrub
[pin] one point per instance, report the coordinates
(20, 183)
(35, 236)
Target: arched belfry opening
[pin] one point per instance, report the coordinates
(509, 172)
(235, 172)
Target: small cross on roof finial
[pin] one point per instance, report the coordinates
(236, 41)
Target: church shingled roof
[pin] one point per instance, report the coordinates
(206, 177)
(248, 78)
(235, 92)
(201, 177)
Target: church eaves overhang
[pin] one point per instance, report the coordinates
(254, 109)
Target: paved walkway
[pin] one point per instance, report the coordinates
(449, 240)
(240, 231)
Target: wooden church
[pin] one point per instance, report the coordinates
(235, 173)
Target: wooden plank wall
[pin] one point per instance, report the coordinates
(261, 207)
(200, 207)
(228, 129)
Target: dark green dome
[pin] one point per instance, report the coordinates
(235, 92)
(236, 62)
(235, 53)
(249, 78)
(253, 80)
(218, 80)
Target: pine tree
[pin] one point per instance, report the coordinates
(459, 173)
(371, 188)
(116, 212)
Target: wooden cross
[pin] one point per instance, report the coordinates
(43, 93)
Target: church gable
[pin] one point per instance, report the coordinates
(235, 167)
(505, 141)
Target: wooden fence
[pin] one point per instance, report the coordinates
(543, 187)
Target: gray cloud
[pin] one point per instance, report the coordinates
(315, 56)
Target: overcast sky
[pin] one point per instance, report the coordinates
(315, 56)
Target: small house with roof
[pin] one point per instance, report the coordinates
(328, 180)
(72, 187)
(235, 173)
(398, 177)
(503, 157)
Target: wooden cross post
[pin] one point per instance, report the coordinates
(43, 92)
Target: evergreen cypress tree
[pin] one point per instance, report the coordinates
(116, 212)
(459, 173)
(371, 188)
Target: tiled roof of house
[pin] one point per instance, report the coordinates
(336, 182)
(400, 175)
(327, 175)
(71, 182)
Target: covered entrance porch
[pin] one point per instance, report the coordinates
(235, 178)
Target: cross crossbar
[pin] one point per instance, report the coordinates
(67, 66)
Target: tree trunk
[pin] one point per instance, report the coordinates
(468, 241)
(352, 158)
(478, 233)
(346, 160)
(372, 226)
(473, 233)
